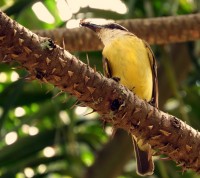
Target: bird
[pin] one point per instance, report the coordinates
(130, 60)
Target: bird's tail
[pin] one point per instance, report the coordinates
(145, 165)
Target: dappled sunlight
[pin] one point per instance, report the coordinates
(42, 13)
(30, 130)
(29, 172)
(14, 76)
(3, 77)
(85, 112)
(171, 104)
(113, 5)
(42, 168)
(49, 152)
(33, 130)
(80, 110)
(19, 112)
(25, 128)
(109, 130)
(64, 10)
(11, 138)
(64, 117)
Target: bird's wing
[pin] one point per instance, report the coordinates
(106, 68)
(152, 60)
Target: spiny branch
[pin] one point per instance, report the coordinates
(160, 30)
(48, 62)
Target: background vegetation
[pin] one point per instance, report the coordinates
(44, 134)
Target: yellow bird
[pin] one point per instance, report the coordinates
(130, 60)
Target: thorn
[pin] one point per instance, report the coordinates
(164, 132)
(66, 99)
(59, 93)
(190, 134)
(137, 110)
(150, 127)
(4, 58)
(122, 105)
(174, 151)
(86, 79)
(89, 113)
(14, 55)
(48, 91)
(20, 41)
(78, 94)
(88, 61)
(188, 148)
(17, 68)
(7, 61)
(138, 123)
(156, 153)
(113, 132)
(34, 64)
(165, 159)
(75, 85)
(180, 171)
(155, 137)
(27, 50)
(91, 89)
(70, 73)
(28, 77)
(57, 78)
(44, 80)
(183, 170)
(63, 43)
(164, 147)
(124, 115)
(149, 114)
(47, 60)
(95, 69)
(180, 164)
(82, 104)
(10, 48)
(75, 104)
(62, 62)
(36, 55)
(53, 70)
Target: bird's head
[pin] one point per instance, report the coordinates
(106, 32)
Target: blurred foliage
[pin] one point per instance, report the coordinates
(43, 132)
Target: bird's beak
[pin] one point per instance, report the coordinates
(94, 27)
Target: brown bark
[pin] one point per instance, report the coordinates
(50, 63)
(160, 30)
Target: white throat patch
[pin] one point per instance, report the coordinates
(108, 35)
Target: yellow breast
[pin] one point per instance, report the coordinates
(128, 59)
